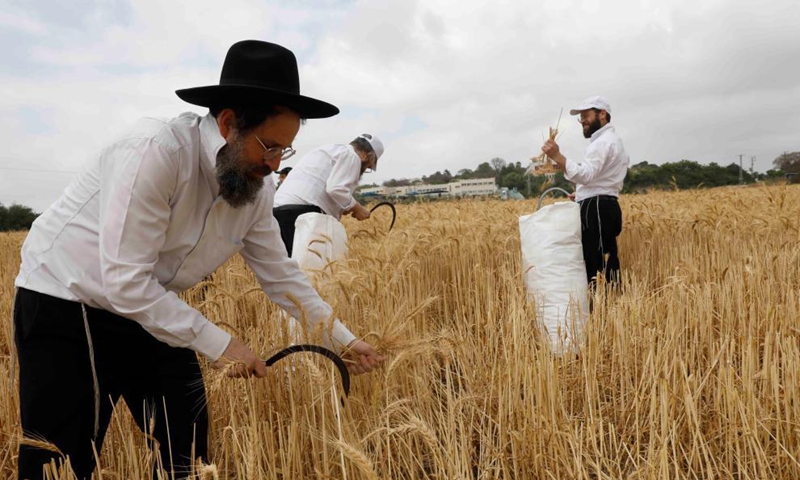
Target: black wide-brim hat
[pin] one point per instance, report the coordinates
(258, 73)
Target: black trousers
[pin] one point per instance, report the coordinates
(56, 388)
(601, 224)
(286, 215)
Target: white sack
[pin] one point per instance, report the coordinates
(554, 272)
(318, 240)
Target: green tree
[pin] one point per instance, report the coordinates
(438, 178)
(684, 174)
(788, 162)
(464, 173)
(498, 164)
(789, 165)
(16, 217)
(513, 180)
(403, 182)
(484, 170)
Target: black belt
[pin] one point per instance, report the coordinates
(600, 197)
(298, 207)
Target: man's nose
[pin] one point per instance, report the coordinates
(274, 163)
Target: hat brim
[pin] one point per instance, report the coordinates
(214, 95)
(583, 108)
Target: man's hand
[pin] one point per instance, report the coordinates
(551, 149)
(240, 361)
(359, 212)
(362, 358)
(571, 196)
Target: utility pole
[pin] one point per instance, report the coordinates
(752, 166)
(741, 172)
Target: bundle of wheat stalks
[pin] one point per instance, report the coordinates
(542, 165)
(692, 371)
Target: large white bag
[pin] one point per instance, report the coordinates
(554, 273)
(319, 239)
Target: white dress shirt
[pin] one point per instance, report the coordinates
(144, 222)
(603, 167)
(325, 177)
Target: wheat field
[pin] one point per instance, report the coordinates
(691, 372)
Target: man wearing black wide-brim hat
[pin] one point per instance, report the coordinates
(97, 314)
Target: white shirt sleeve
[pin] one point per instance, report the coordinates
(585, 171)
(280, 276)
(138, 178)
(345, 173)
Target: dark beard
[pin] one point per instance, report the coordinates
(589, 130)
(236, 185)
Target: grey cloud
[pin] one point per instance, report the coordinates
(78, 14)
(447, 86)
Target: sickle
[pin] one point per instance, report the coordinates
(336, 359)
(394, 212)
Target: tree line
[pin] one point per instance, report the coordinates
(16, 217)
(642, 177)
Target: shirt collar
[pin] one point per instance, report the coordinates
(606, 128)
(212, 140)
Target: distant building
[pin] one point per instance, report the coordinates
(474, 186)
(463, 188)
(429, 190)
(371, 191)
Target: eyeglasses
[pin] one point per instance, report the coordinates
(585, 117)
(272, 152)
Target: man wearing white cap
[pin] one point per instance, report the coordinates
(598, 178)
(323, 181)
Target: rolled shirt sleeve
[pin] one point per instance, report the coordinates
(280, 276)
(137, 182)
(345, 173)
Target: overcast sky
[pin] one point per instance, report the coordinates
(445, 84)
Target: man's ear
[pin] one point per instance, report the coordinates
(226, 121)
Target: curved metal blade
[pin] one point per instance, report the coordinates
(336, 359)
(394, 212)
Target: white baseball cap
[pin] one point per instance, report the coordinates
(377, 145)
(596, 101)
